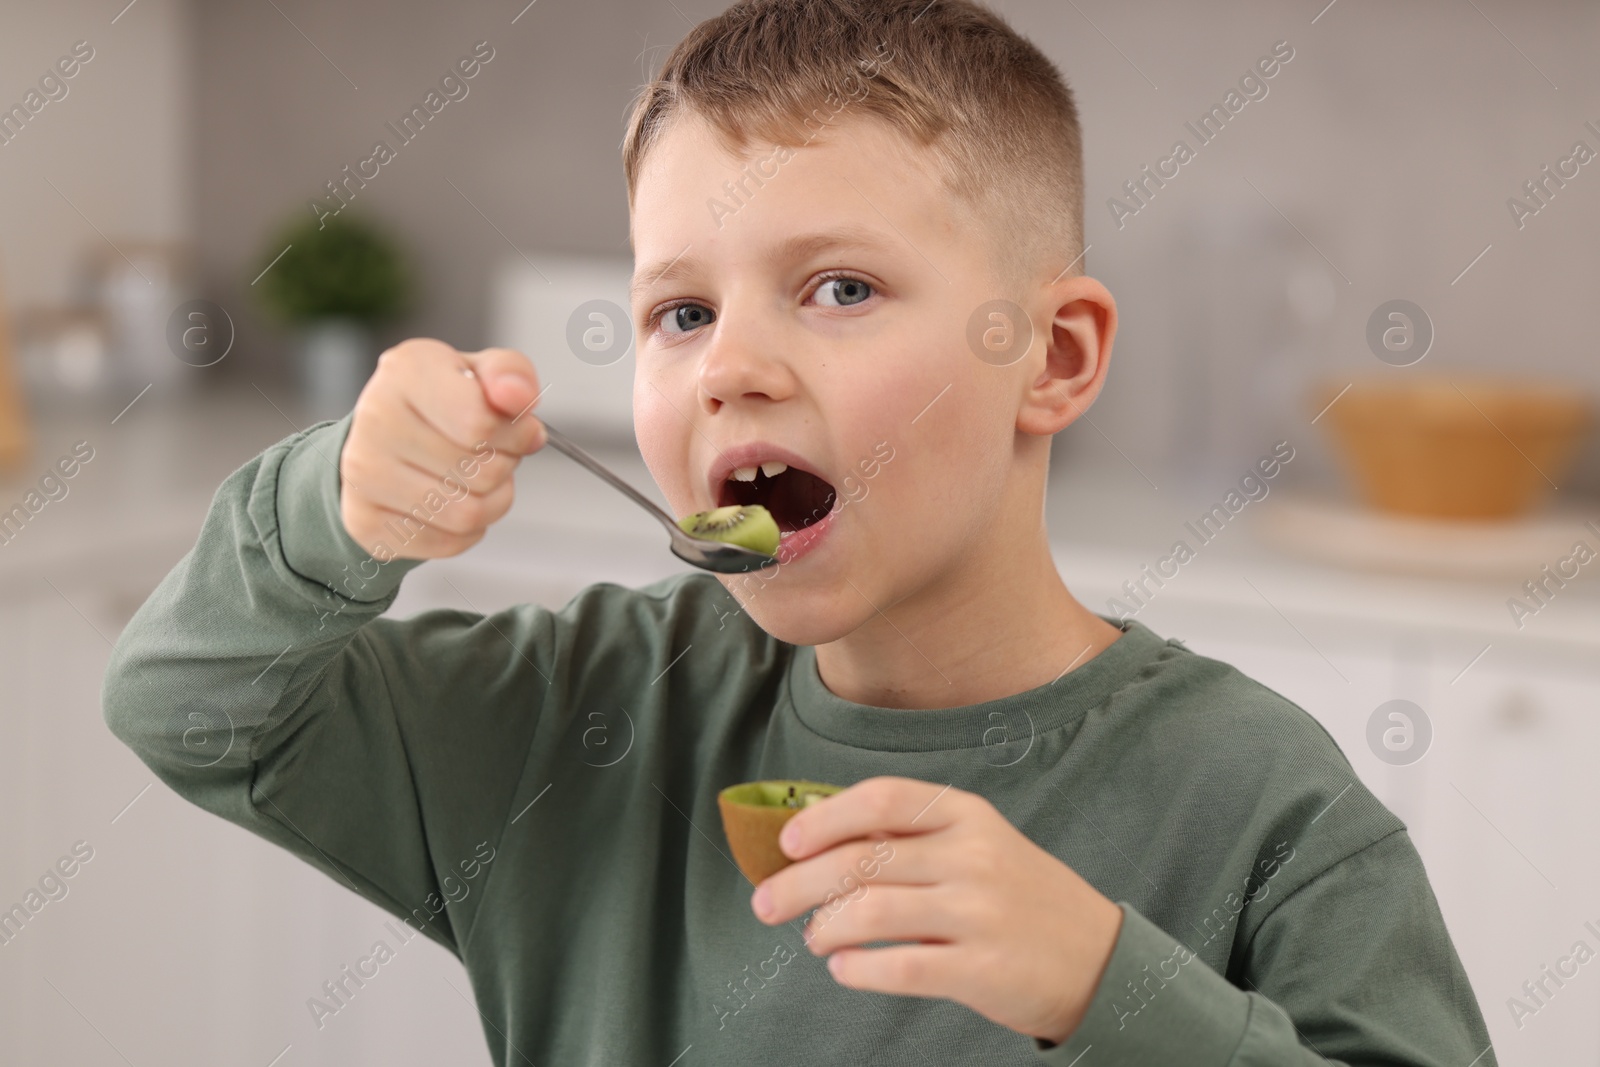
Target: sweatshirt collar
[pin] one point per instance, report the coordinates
(1000, 722)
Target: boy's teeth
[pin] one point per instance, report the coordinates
(773, 469)
(745, 474)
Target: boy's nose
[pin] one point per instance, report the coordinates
(742, 363)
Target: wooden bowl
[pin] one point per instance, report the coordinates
(753, 814)
(1456, 448)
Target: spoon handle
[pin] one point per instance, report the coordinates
(564, 445)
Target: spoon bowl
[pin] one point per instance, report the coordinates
(718, 557)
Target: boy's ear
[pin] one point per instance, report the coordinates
(1083, 321)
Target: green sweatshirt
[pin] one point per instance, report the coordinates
(536, 790)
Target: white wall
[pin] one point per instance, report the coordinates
(1392, 139)
(118, 145)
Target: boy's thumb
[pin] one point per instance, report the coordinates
(510, 383)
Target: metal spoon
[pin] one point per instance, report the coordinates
(717, 556)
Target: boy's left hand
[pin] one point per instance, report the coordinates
(1005, 927)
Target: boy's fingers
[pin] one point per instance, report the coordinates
(891, 913)
(408, 437)
(926, 970)
(510, 383)
(453, 404)
(848, 873)
(875, 806)
(430, 383)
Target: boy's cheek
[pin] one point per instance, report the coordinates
(665, 452)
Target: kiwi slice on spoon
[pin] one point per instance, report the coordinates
(753, 813)
(746, 525)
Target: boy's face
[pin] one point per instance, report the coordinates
(823, 316)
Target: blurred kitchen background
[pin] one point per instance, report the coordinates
(167, 301)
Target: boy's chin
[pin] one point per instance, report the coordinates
(800, 620)
(797, 627)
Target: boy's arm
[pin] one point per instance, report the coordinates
(258, 682)
(1354, 967)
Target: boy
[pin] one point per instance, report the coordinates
(1178, 866)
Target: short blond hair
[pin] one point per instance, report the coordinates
(948, 74)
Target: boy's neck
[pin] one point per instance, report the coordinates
(1002, 625)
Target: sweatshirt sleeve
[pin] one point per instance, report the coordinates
(1355, 967)
(259, 682)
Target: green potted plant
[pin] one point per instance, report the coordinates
(334, 282)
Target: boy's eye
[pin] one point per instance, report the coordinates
(843, 292)
(832, 292)
(686, 317)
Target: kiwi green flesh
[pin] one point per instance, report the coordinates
(747, 525)
(779, 794)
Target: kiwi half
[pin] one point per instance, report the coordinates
(747, 525)
(753, 813)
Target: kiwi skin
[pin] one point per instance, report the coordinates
(747, 525)
(753, 814)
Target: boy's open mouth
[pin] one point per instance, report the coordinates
(796, 498)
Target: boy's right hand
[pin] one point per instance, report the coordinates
(424, 432)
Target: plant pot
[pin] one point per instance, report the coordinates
(336, 359)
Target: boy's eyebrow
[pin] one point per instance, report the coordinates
(798, 246)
